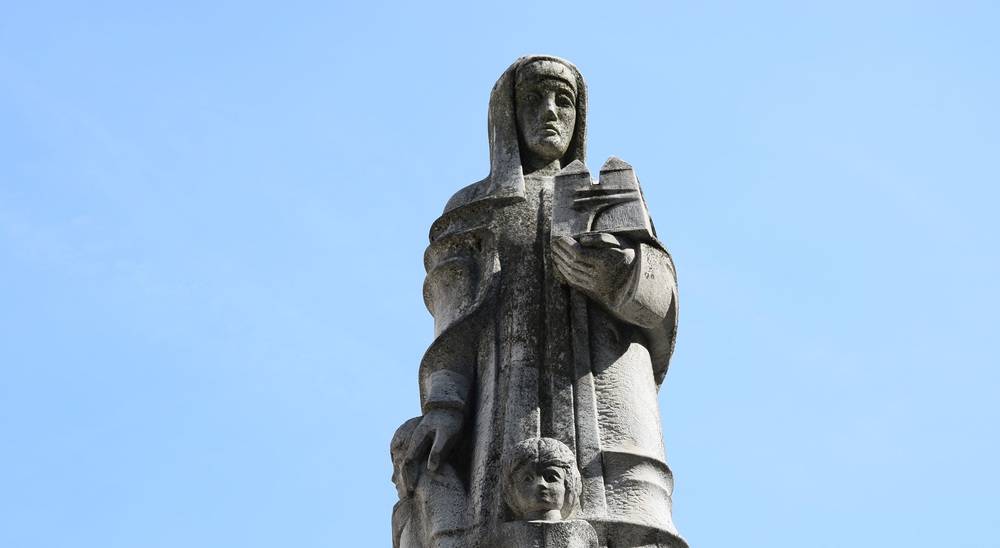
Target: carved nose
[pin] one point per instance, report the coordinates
(550, 109)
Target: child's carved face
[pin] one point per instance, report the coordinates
(541, 481)
(539, 491)
(398, 480)
(397, 452)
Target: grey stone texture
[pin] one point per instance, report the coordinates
(555, 312)
(574, 533)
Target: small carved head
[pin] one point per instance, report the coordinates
(397, 451)
(541, 481)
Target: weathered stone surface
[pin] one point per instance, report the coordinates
(555, 311)
(575, 533)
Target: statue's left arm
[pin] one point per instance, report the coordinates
(634, 281)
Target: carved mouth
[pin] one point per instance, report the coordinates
(546, 494)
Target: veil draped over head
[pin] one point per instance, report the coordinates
(506, 177)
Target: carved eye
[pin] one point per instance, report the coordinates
(527, 479)
(564, 100)
(552, 475)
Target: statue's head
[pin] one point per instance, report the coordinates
(537, 119)
(545, 91)
(541, 481)
(397, 452)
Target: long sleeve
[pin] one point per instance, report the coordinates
(645, 300)
(462, 265)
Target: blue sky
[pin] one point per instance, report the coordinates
(212, 219)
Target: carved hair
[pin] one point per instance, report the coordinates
(401, 439)
(542, 452)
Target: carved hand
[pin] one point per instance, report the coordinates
(432, 440)
(597, 264)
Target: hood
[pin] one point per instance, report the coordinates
(506, 177)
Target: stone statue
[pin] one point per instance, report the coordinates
(555, 311)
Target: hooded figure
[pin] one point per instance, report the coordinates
(540, 337)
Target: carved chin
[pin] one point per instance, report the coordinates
(549, 147)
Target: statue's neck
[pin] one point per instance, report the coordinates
(540, 167)
(543, 515)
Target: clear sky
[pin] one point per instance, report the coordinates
(213, 215)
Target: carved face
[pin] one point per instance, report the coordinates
(398, 480)
(539, 493)
(546, 116)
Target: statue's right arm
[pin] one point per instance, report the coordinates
(446, 383)
(432, 440)
(453, 293)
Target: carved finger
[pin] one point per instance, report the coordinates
(589, 257)
(567, 245)
(409, 472)
(567, 241)
(578, 272)
(561, 256)
(578, 278)
(442, 445)
(414, 455)
(562, 267)
(571, 255)
(599, 240)
(567, 265)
